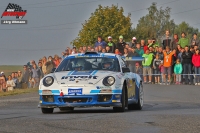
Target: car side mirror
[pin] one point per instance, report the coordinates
(53, 70)
(125, 70)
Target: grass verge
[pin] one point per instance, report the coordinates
(18, 91)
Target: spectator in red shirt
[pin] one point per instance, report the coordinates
(143, 45)
(117, 51)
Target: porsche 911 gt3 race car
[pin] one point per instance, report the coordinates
(91, 79)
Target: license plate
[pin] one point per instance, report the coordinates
(75, 91)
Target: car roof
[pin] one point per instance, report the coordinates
(93, 54)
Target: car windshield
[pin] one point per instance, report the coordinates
(89, 63)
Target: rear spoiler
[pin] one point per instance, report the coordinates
(132, 58)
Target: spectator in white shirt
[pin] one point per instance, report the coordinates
(10, 83)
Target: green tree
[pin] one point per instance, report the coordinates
(185, 27)
(105, 21)
(155, 23)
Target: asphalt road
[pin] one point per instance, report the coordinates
(167, 109)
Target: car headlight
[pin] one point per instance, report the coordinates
(48, 81)
(108, 81)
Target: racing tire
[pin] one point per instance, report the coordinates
(66, 108)
(139, 105)
(123, 100)
(47, 110)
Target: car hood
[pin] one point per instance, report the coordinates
(81, 77)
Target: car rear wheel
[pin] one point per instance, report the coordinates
(66, 108)
(139, 105)
(47, 110)
(123, 99)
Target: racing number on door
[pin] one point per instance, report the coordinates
(131, 88)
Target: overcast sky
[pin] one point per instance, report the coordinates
(53, 24)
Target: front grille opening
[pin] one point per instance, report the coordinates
(104, 98)
(60, 99)
(48, 98)
(75, 100)
(90, 100)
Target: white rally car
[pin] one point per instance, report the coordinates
(91, 79)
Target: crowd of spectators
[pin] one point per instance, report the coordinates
(31, 74)
(174, 61)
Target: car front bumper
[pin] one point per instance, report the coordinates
(56, 101)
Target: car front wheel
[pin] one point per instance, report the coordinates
(123, 99)
(139, 105)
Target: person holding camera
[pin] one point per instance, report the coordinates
(134, 42)
(153, 43)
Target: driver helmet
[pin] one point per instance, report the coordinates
(107, 64)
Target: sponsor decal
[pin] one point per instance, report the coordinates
(14, 10)
(81, 75)
(90, 55)
(46, 92)
(103, 87)
(77, 91)
(72, 78)
(106, 91)
(120, 75)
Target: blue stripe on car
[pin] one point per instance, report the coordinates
(94, 72)
(55, 91)
(116, 91)
(94, 91)
(70, 73)
(83, 72)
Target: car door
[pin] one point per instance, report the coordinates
(129, 80)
